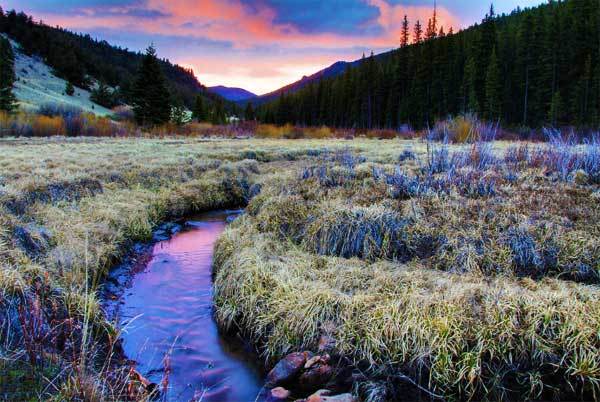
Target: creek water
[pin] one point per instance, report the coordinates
(167, 310)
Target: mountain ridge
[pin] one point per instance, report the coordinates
(233, 94)
(334, 70)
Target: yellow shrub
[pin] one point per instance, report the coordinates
(319, 132)
(44, 126)
(269, 131)
(464, 129)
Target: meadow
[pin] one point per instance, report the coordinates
(464, 270)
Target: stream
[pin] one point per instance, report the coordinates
(167, 310)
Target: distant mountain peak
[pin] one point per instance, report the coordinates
(232, 94)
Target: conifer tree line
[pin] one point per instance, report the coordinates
(533, 67)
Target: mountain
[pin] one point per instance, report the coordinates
(232, 94)
(83, 60)
(332, 71)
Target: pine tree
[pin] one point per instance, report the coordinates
(7, 76)
(418, 34)
(524, 61)
(218, 115)
(150, 96)
(200, 112)
(249, 112)
(470, 79)
(103, 96)
(2, 20)
(69, 89)
(405, 33)
(555, 112)
(431, 32)
(493, 89)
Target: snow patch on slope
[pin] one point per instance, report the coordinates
(37, 85)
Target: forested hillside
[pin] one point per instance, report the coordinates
(76, 57)
(534, 67)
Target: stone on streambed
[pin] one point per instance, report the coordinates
(160, 235)
(325, 395)
(278, 394)
(165, 231)
(140, 388)
(170, 227)
(287, 369)
(304, 373)
(315, 377)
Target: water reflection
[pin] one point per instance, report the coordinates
(168, 310)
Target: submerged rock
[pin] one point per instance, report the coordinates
(278, 394)
(160, 235)
(140, 388)
(287, 369)
(325, 395)
(165, 231)
(316, 376)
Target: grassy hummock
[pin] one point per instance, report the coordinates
(471, 270)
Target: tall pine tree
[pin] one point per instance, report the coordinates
(493, 89)
(150, 96)
(249, 112)
(405, 33)
(200, 111)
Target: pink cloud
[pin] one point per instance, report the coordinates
(232, 22)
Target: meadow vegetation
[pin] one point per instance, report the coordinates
(465, 268)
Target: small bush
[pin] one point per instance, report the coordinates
(475, 185)
(517, 154)
(438, 158)
(407, 155)
(329, 175)
(463, 129)
(364, 232)
(318, 133)
(404, 187)
(382, 134)
(527, 260)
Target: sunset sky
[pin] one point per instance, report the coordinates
(257, 45)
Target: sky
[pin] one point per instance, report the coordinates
(257, 45)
